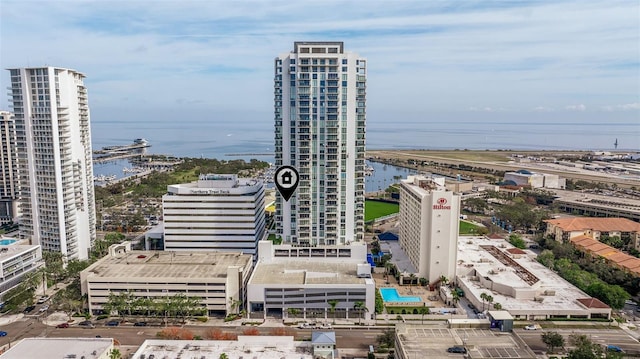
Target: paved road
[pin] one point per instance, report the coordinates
(129, 335)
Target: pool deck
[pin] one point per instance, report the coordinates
(414, 291)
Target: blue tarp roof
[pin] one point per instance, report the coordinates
(387, 236)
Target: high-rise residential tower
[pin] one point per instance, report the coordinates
(320, 103)
(8, 167)
(57, 205)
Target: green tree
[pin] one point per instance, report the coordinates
(584, 348)
(484, 297)
(332, 308)
(497, 306)
(547, 258)
(553, 340)
(358, 306)
(387, 339)
(517, 241)
(412, 278)
(424, 310)
(115, 354)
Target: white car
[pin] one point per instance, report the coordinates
(44, 308)
(530, 327)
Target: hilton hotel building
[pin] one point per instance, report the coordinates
(429, 221)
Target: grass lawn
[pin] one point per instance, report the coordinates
(375, 209)
(468, 228)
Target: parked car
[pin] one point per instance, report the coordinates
(86, 324)
(3, 333)
(29, 309)
(140, 324)
(62, 325)
(460, 350)
(42, 299)
(44, 308)
(112, 323)
(304, 325)
(530, 327)
(614, 348)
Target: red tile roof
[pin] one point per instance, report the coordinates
(592, 303)
(516, 251)
(621, 259)
(596, 224)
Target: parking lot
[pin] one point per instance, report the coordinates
(422, 341)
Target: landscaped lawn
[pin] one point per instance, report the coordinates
(469, 228)
(375, 209)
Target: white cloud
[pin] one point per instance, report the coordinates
(441, 55)
(626, 107)
(580, 107)
(543, 109)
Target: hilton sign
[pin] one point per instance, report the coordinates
(441, 203)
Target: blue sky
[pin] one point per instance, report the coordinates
(532, 59)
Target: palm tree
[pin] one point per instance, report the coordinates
(412, 277)
(497, 306)
(422, 311)
(387, 269)
(483, 296)
(333, 303)
(443, 280)
(358, 307)
(455, 297)
(489, 300)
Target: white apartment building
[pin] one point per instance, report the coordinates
(429, 221)
(57, 205)
(320, 111)
(16, 261)
(219, 212)
(9, 168)
(218, 280)
(307, 279)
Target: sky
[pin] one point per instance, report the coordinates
(532, 60)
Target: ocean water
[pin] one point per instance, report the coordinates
(254, 139)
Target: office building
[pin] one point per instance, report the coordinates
(16, 262)
(429, 220)
(217, 279)
(9, 168)
(56, 199)
(219, 212)
(320, 110)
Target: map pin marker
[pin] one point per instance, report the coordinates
(286, 179)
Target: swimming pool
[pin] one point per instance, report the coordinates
(391, 295)
(6, 242)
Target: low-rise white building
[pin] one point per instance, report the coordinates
(218, 279)
(304, 280)
(17, 261)
(535, 180)
(521, 285)
(263, 347)
(219, 212)
(429, 221)
(72, 348)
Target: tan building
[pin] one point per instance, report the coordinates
(218, 278)
(613, 256)
(429, 222)
(564, 229)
